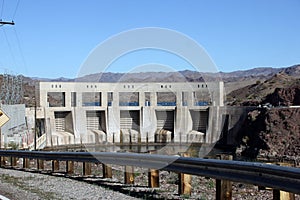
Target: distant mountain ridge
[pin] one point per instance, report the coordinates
(181, 76)
(233, 80)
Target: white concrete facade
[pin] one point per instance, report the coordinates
(15, 129)
(83, 112)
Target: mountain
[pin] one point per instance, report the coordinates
(241, 85)
(181, 76)
(261, 73)
(280, 87)
(292, 71)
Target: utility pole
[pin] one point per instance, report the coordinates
(6, 23)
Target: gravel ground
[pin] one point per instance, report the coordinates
(23, 185)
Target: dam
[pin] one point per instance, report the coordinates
(85, 112)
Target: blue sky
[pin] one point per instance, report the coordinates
(52, 38)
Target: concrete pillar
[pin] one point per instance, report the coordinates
(113, 121)
(143, 133)
(104, 99)
(115, 102)
(221, 94)
(153, 99)
(179, 99)
(214, 129)
(43, 99)
(141, 99)
(79, 122)
(67, 99)
(191, 98)
(115, 118)
(79, 99)
(182, 124)
(148, 124)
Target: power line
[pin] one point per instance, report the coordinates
(20, 49)
(2, 9)
(16, 10)
(10, 48)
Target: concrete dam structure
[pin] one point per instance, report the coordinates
(84, 112)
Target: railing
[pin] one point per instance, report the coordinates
(40, 142)
(273, 176)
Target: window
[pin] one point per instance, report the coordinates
(128, 99)
(91, 99)
(166, 99)
(56, 99)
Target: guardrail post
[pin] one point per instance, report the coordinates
(70, 167)
(282, 195)
(2, 161)
(185, 180)
(107, 171)
(55, 165)
(87, 168)
(153, 176)
(40, 164)
(224, 187)
(129, 175)
(26, 163)
(13, 161)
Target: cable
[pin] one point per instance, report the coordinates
(2, 9)
(20, 49)
(16, 10)
(10, 49)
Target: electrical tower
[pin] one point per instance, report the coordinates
(11, 89)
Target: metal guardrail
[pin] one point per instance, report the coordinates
(273, 176)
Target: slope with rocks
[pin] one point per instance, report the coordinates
(272, 133)
(261, 92)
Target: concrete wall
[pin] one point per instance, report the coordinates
(235, 120)
(15, 129)
(148, 120)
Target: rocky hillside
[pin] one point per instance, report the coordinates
(281, 89)
(272, 133)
